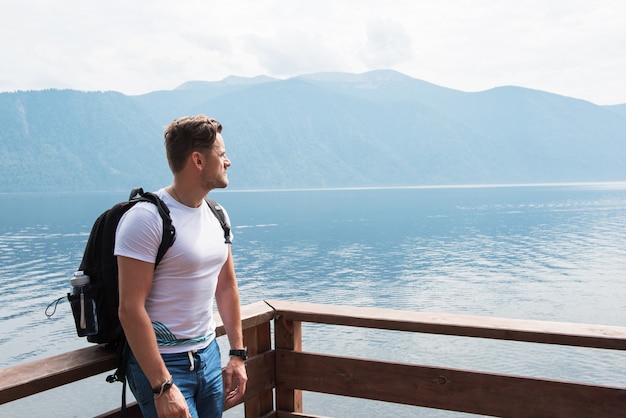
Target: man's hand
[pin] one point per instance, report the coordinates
(235, 380)
(172, 404)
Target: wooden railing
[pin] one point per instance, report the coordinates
(277, 376)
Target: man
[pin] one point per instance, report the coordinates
(174, 369)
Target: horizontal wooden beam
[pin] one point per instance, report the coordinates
(40, 375)
(562, 333)
(448, 389)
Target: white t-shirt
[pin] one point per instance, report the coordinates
(180, 302)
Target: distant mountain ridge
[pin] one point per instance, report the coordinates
(380, 128)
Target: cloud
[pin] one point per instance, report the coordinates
(286, 54)
(387, 44)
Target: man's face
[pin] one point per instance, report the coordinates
(214, 173)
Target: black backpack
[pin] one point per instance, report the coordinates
(100, 265)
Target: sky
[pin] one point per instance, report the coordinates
(574, 48)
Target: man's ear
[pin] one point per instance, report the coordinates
(196, 158)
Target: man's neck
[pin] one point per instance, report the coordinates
(184, 196)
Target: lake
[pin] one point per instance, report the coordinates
(547, 252)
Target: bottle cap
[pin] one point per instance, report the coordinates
(79, 279)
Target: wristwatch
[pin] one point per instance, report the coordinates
(163, 387)
(243, 354)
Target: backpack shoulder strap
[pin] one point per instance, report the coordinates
(219, 214)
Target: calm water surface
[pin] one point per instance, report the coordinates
(552, 252)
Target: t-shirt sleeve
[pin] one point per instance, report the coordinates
(139, 233)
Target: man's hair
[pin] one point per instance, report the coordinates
(189, 134)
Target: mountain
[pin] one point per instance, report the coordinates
(619, 109)
(380, 128)
(63, 140)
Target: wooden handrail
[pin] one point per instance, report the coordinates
(285, 371)
(40, 375)
(562, 333)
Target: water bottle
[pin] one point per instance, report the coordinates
(83, 305)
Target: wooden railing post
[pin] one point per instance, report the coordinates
(288, 336)
(259, 340)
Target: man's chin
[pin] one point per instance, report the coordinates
(219, 184)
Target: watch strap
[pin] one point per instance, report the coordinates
(242, 353)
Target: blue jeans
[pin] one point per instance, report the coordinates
(202, 387)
